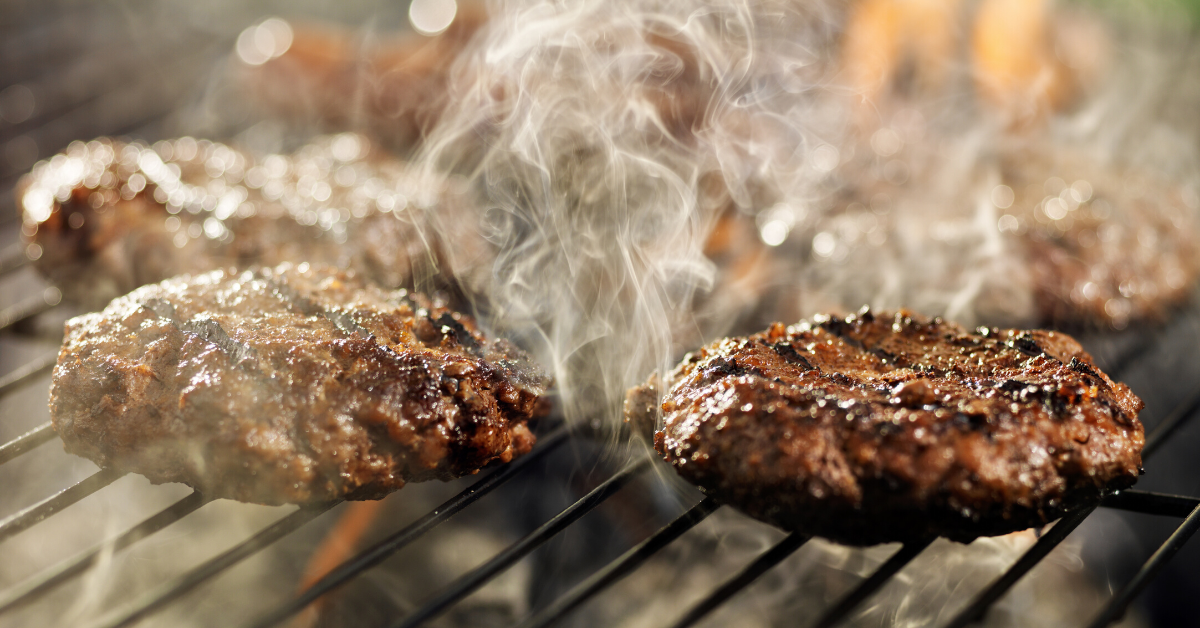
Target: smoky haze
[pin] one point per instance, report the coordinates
(608, 139)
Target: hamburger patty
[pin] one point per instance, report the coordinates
(289, 385)
(107, 217)
(1108, 247)
(878, 428)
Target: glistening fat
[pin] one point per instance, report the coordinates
(291, 384)
(892, 427)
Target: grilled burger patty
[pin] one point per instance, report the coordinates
(879, 427)
(106, 217)
(289, 385)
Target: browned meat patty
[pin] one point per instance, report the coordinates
(289, 385)
(394, 89)
(1106, 245)
(106, 217)
(1032, 234)
(880, 428)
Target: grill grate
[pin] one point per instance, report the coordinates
(1187, 508)
(112, 104)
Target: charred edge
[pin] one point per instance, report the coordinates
(1083, 368)
(726, 367)
(1027, 345)
(888, 357)
(460, 333)
(791, 356)
(1012, 386)
(840, 328)
(207, 329)
(1024, 392)
(841, 379)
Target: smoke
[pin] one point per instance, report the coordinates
(608, 140)
(656, 174)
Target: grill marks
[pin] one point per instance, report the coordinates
(343, 321)
(789, 353)
(205, 328)
(1027, 345)
(880, 428)
(353, 391)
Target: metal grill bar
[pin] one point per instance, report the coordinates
(381, 550)
(1152, 503)
(47, 581)
(181, 585)
(1183, 413)
(29, 307)
(761, 565)
(39, 435)
(476, 578)
(623, 566)
(12, 258)
(26, 372)
(39, 511)
(1065, 526)
(1116, 607)
(1137, 501)
(873, 583)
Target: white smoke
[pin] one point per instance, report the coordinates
(608, 138)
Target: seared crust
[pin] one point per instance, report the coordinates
(289, 385)
(880, 428)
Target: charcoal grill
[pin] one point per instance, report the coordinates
(140, 96)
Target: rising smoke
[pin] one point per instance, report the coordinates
(609, 140)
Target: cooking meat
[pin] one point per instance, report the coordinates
(107, 217)
(877, 428)
(394, 90)
(1032, 234)
(1105, 245)
(292, 384)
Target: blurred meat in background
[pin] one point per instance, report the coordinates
(1013, 162)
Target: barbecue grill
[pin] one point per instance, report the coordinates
(149, 93)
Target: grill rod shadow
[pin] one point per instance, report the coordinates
(761, 565)
(48, 580)
(472, 580)
(154, 600)
(906, 554)
(39, 435)
(380, 551)
(21, 520)
(843, 607)
(29, 307)
(623, 566)
(26, 372)
(1116, 607)
(975, 611)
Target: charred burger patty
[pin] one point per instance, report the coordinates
(289, 385)
(878, 428)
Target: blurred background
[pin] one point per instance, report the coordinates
(150, 70)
